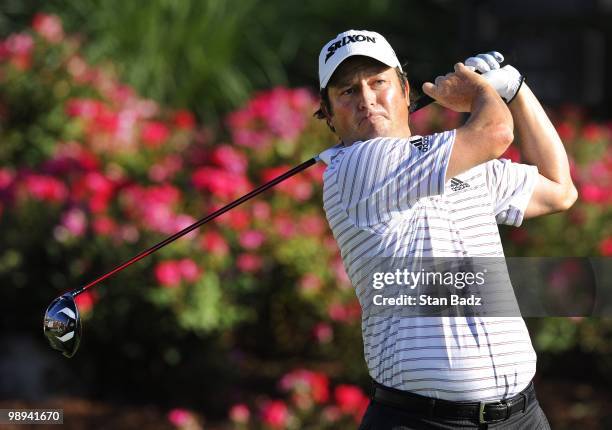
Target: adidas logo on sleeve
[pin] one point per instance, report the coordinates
(457, 185)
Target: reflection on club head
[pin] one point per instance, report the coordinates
(62, 325)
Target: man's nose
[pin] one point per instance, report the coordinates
(367, 97)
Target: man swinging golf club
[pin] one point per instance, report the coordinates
(390, 194)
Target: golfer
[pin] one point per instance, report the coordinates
(388, 193)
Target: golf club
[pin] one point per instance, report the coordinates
(62, 323)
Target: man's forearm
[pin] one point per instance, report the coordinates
(540, 142)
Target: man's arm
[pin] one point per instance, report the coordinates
(540, 143)
(488, 131)
(541, 146)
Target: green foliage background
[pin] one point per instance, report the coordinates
(210, 55)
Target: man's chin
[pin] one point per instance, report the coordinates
(375, 132)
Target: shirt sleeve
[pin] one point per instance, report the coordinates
(511, 186)
(385, 175)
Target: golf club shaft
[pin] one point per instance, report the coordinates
(199, 223)
(419, 104)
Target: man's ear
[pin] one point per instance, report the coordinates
(328, 116)
(407, 95)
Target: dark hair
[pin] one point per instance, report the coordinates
(325, 103)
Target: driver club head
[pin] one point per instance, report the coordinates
(62, 325)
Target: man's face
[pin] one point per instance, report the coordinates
(367, 101)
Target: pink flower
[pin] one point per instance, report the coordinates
(78, 68)
(184, 119)
(103, 225)
(313, 384)
(121, 94)
(214, 243)
(312, 225)
(605, 247)
(239, 413)
(566, 131)
(331, 414)
(315, 173)
(70, 157)
(336, 312)
(284, 224)
(86, 301)
(591, 193)
(153, 207)
(344, 313)
(340, 272)
(83, 108)
(181, 222)
(49, 27)
(18, 49)
(278, 113)
(261, 210)
(249, 262)
(166, 168)
(6, 178)
(323, 333)
(101, 190)
(351, 400)
(251, 239)
(297, 187)
(275, 414)
(168, 274)
(154, 133)
(599, 171)
(45, 188)
(237, 219)
(128, 233)
(220, 182)
(19, 44)
(231, 160)
(593, 133)
(107, 121)
(419, 121)
(189, 270)
(330, 244)
(179, 417)
(310, 283)
(75, 222)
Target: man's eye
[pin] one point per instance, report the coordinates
(348, 91)
(380, 81)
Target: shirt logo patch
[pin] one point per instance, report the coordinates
(422, 144)
(457, 185)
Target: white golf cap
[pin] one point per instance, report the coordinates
(354, 42)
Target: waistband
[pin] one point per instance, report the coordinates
(482, 412)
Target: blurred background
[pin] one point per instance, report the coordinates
(124, 122)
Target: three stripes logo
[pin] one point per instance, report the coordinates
(457, 185)
(422, 144)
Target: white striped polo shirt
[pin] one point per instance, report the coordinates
(387, 197)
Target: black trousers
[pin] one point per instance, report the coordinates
(383, 417)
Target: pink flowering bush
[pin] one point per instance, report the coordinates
(311, 403)
(91, 174)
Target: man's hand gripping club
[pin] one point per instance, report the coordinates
(489, 130)
(506, 80)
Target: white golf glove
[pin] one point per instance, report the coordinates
(506, 80)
